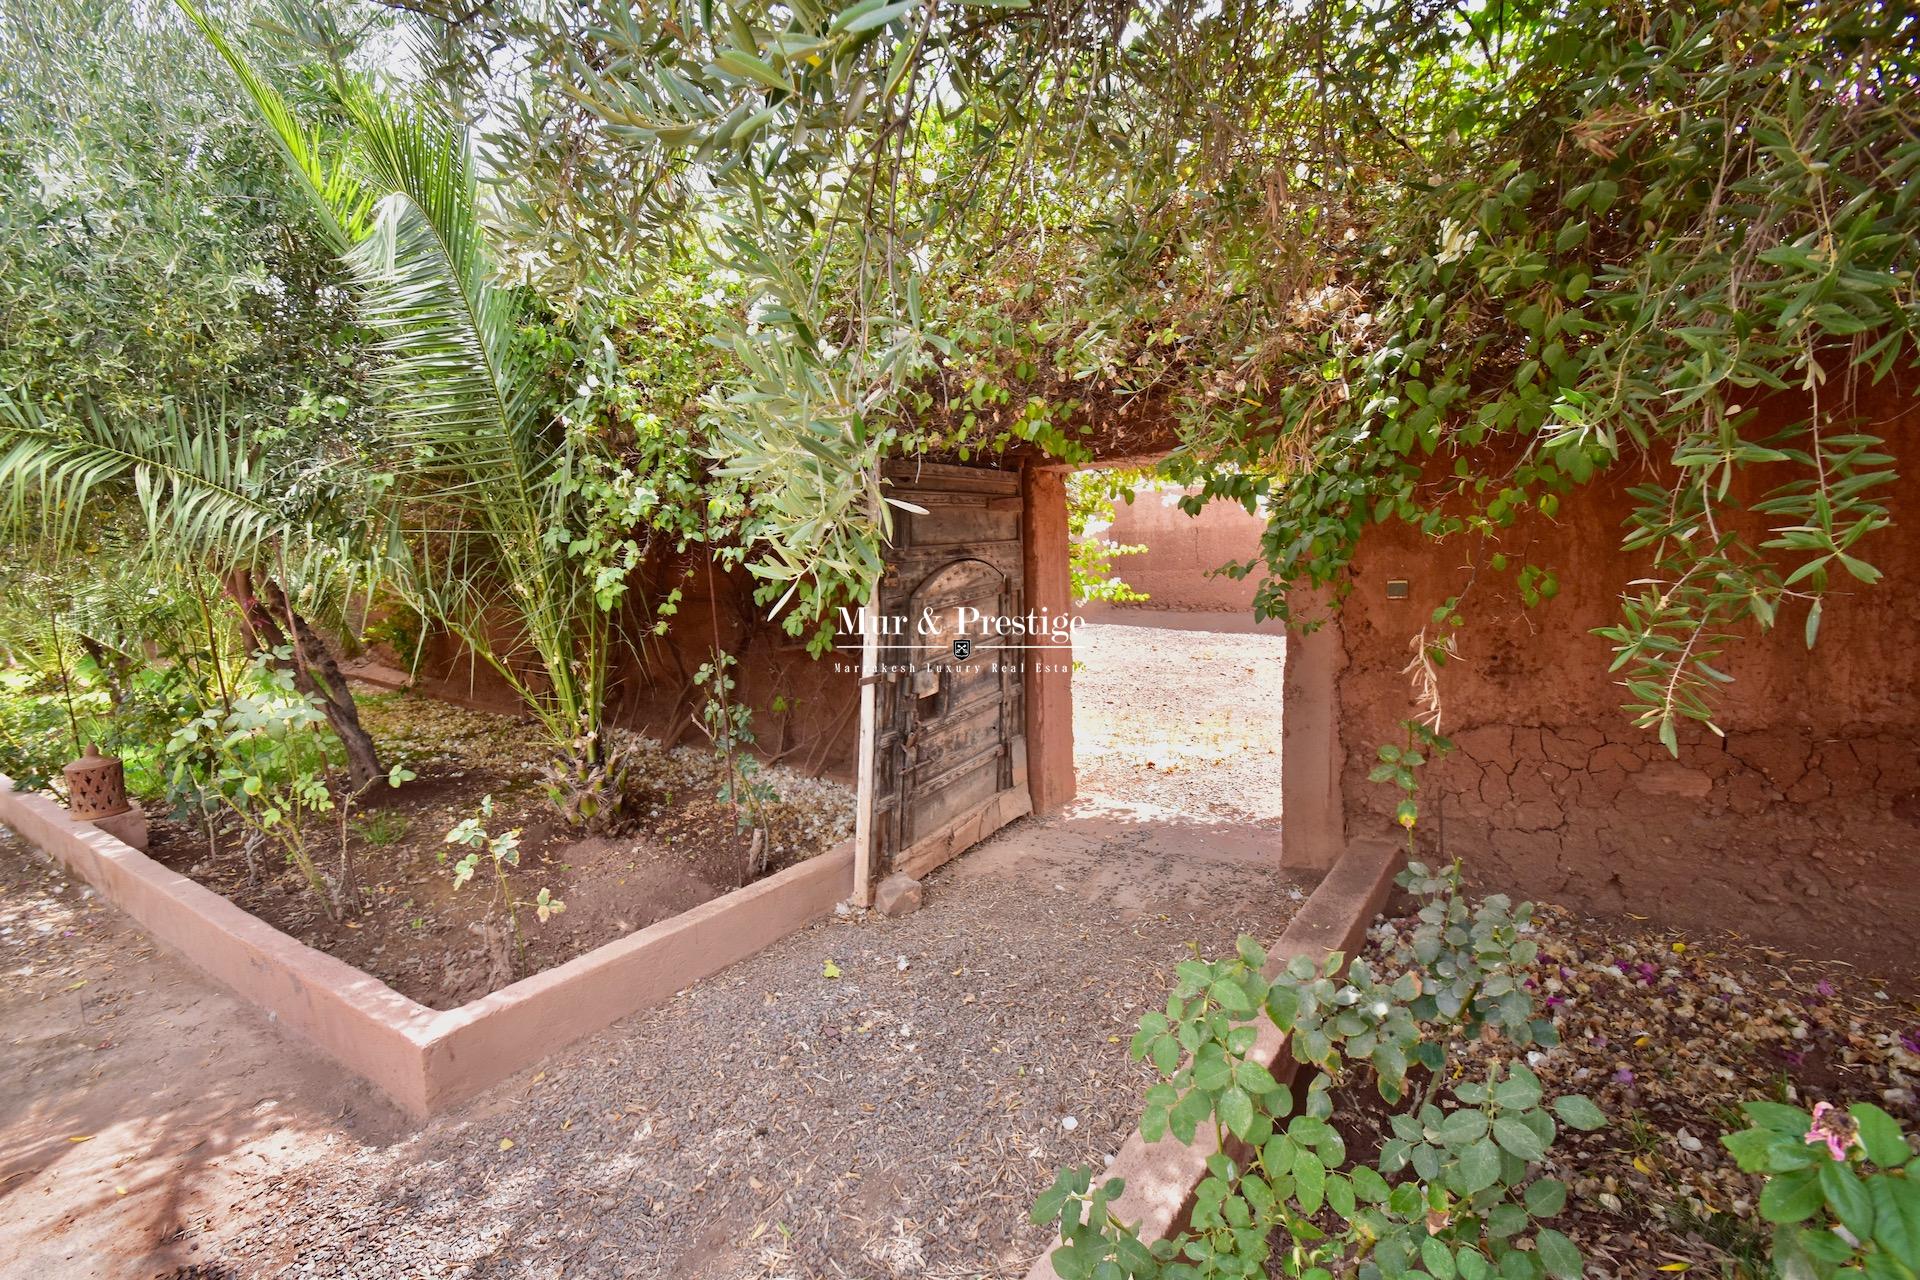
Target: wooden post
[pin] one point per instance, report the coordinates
(1313, 834)
(1049, 585)
(865, 762)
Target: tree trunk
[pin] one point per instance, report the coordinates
(363, 762)
(315, 673)
(111, 668)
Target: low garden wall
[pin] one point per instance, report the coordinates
(1161, 1177)
(428, 1060)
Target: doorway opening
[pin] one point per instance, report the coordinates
(1171, 692)
(1177, 690)
(1170, 754)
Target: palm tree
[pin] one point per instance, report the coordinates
(205, 498)
(486, 471)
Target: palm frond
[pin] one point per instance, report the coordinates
(319, 165)
(125, 602)
(483, 466)
(196, 484)
(464, 403)
(193, 483)
(401, 200)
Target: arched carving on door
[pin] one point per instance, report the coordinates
(948, 755)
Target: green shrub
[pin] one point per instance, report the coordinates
(264, 756)
(1459, 1188)
(1842, 1189)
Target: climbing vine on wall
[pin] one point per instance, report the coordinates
(1657, 226)
(1090, 553)
(1425, 262)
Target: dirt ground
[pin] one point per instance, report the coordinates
(868, 1098)
(1177, 720)
(136, 1097)
(1669, 1033)
(679, 846)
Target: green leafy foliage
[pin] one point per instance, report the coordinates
(1399, 765)
(1459, 1187)
(262, 756)
(1438, 266)
(183, 387)
(196, 483)
(144, 247)
(1842, 1188)
(709, 268)
(1659, 238)
(1090, 499)
(121, 657)
(728, 724)
(181, 380)
(515, 527)
(498, 854)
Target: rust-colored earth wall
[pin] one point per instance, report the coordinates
(1800, 824)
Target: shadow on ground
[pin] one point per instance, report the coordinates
(868, 1098)
(135, 1098)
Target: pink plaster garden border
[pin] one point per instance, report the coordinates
(1162, 1176)
(428, 1060)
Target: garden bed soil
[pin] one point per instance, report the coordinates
(866, 1098)
(443, 946)
(1669, 1034)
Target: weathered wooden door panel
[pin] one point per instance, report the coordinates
(969, 733)
(949, 758)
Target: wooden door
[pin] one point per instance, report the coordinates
(947, 746)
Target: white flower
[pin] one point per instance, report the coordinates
(1455, 239)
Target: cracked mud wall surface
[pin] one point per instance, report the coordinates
(1801, 825)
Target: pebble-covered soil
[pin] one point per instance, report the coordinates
(679, 846)
(1183, 722)
(869, 1098)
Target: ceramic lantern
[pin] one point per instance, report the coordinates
(96, 785)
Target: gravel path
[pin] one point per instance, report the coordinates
(137, 1100)
(868, 1098)
(1180, 722)
(890, 1121)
